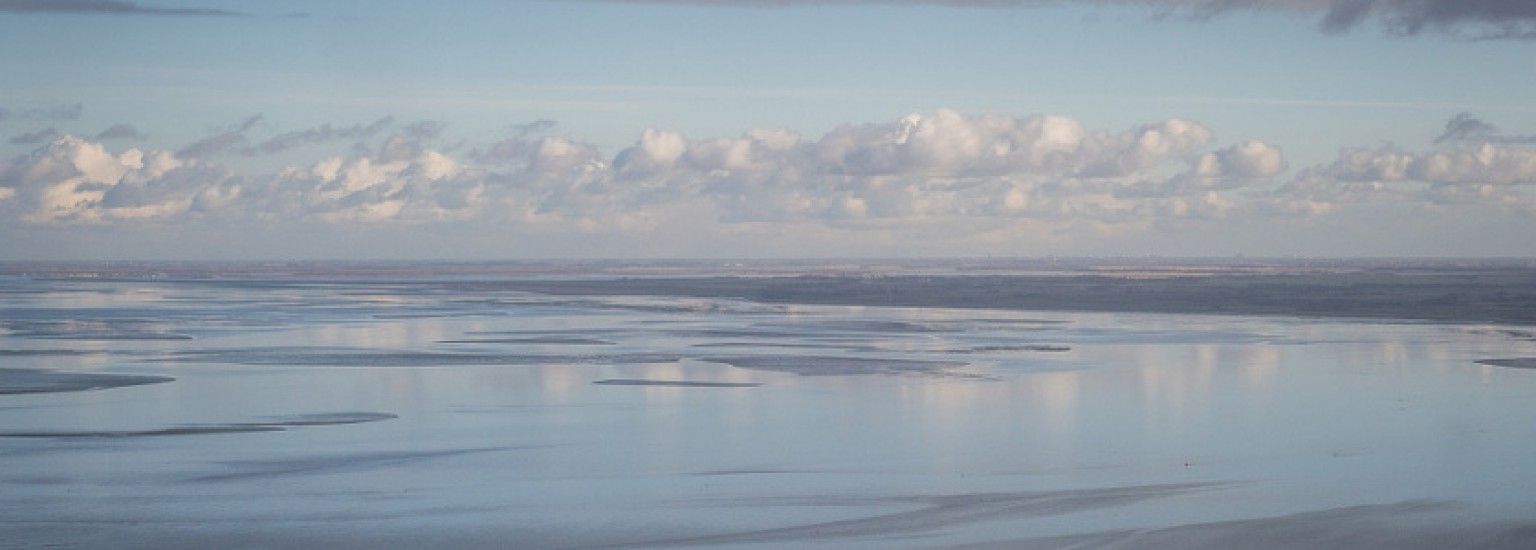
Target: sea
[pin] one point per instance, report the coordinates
(322, 405)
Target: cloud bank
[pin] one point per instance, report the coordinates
(959, 173)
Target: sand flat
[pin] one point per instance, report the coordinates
(18, 381)
(1512, 363)
(1154, 430)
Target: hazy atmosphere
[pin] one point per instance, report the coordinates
(772, 128)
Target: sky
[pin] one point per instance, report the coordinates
(392, 129)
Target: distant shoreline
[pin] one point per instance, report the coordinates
(1495, 298)
(1493, 291)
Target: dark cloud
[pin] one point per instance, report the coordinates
(530, 128)
(519, 146)
(236, 139)
(1345, 14)
(424, 130)
(40, 136)
(1467, 128)
(232, 138)
(107, 7)
(1468, 19)
(51, 112)
(318, 134)
(1490, 18)
(120, 131)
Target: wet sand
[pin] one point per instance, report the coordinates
(934, 512)
(274, 425)
(17, 381)
(872, 426)
(254, 469)
(1515, 363)
(1410, 525)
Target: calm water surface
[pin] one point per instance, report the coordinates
(359, 414)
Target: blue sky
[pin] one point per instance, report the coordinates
(604, 72)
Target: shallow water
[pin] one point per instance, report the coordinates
(358, 413)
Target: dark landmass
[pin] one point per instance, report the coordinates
(1512, 363)
(17, 381)
(675, 383)
(259, 272)
(1492, 296)
(1489, 290)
